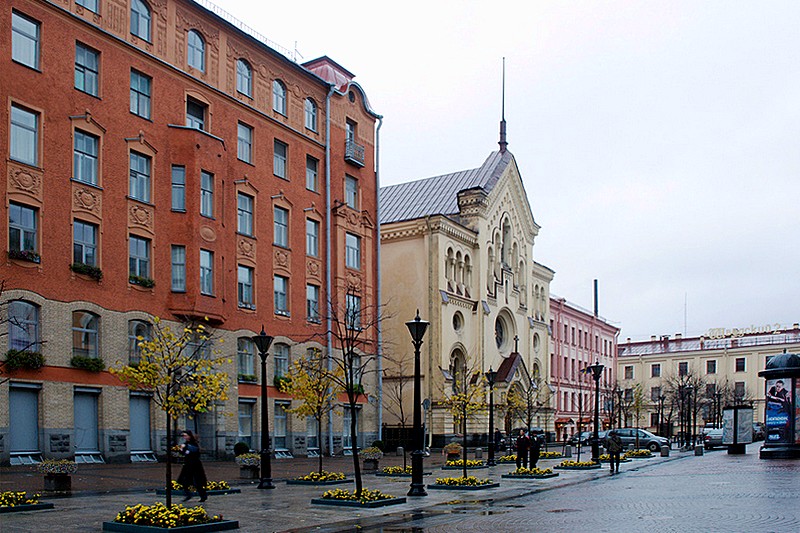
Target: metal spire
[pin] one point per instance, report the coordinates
(503, 143)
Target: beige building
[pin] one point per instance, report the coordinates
(460, 249)
(722, 367)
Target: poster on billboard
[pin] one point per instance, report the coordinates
(796, 410)
(778, 413)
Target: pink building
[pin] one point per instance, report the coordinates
(580, 338)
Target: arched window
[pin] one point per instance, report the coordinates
(244, 77)
(311, 114)
(136, 329)
(196, 51)
(457, 369)
(448, 265)
(505, 255)
(85, 332)
(467, 271)
(23, 326)
(279, 97)
(140, 20)
(459, 272)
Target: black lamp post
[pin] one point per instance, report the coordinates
(661, 431)
(417, 328)
(718, 409)
(619, 407)
(490, 377)
(597, 372)
(263, 342)
(690, 420)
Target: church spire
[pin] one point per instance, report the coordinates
(503, 143)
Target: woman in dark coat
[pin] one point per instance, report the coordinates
(192, 472)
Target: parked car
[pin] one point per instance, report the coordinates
(712, 438)
(646, 439)
(759, 431)
(586, 437)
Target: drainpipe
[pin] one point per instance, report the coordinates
(378, 261)
(328, 267)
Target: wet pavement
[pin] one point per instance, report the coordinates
(709, 493)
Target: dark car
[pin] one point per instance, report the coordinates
(586, 437)
(645, 439)
(713, 438)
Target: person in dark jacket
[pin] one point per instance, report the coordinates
(536, 446)
(614, 447)
(192, 473)
(523, 444)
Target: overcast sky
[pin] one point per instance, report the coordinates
(658, 141)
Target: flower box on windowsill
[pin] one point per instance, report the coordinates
(29, 360)
(92, 364)
(25, 255)
(147, 283)
(87, 270)
(248, 378)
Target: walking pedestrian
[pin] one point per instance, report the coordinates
(614, 448)
(536, 446)
(523, 444)
(192, 473)
(498, 440)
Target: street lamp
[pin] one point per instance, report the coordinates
(263, 342)
(490, 377)
(417, 328)
(690, 421)
(661, 431)
(619, 407)
(597, 372)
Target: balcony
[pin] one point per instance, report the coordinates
(354, 153)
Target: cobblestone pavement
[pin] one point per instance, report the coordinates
(715, 492)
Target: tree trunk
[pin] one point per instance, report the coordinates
(169, 461)
(464, 459)
(354, 448)
(319, 441)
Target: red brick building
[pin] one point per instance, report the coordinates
(162, 159)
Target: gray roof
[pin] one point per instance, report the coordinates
(439, 195)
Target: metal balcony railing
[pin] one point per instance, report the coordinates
(354, 153)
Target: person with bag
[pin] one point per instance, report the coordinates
(614, 447)
(192, 473)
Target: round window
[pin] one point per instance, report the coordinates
(351, 96)
(458, 321)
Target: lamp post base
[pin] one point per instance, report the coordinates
(266, 483)
(417, 484)
(490, 461)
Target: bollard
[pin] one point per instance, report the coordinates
(665, 451)
(400, 451)
(698, 449)
(568, 451)
(478, 453)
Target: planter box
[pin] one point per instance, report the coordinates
(370, 465)
(462, 468)
(303, 482)
(224, 525)
(641, 457)
(593, 467)
(25, 507)
(249, 472)
(541, 476)
(463, 487)
(381, 474)
(162, 492)
(58, 482)
(352, 503)
(605, 461)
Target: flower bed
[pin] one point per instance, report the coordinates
(397, 471)
(346, 498)
(248, 459)
(550, 455)
(176, 518)
(638, 454)
(459, 463)
(15, 501)
(465, 483)
(57, 466)
(531, 473)
(213, 488)
(507, 459)
(319, 478)
(606, 458)
(575, 465)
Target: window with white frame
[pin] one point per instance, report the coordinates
(312, 171)
(352, 311)
(629, 372)
(84, 243)
(141, 85)
(87, 69)
(206, 193)
(91, 5)
(280, 424)
(140, 20)
(281, 359)
(23, 326)
(245, 143)
(244, 77)
(245, 287)
(312, 303)
(138, 331)
(279, 97)
(739, 364)
(711, 366)
(139, 177)
(178, 188)
(195, 114)
(351, 191)
(178, 268)
(196, 51)
(683, 368)
(655, 393)
(655, 370)
(244, 216)
(281, 289)
(280, 155)
(84, 157)
(24, 135)
(281, 230)
(739, 390)
(246, 356)
(312, 237)
(246, 421)
(22, 222)
(206, 272)
(311, 114)
(352, 251)
(25, 40)
(312, 434)
(85, 334)
(139, 257)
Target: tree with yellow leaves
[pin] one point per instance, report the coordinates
(468, 397)
(311, 383)
(181, 371)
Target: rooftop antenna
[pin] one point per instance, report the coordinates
(503, 143)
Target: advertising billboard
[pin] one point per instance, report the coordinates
(796, 410)
(779, 411)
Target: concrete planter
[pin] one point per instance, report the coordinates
(224, 525)
(436, 486)
(249, 472)
(162, 492)
(370, 465)
(26, 507)
(57, 482)
(353, 503)
(304, 482)
(541, 476)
